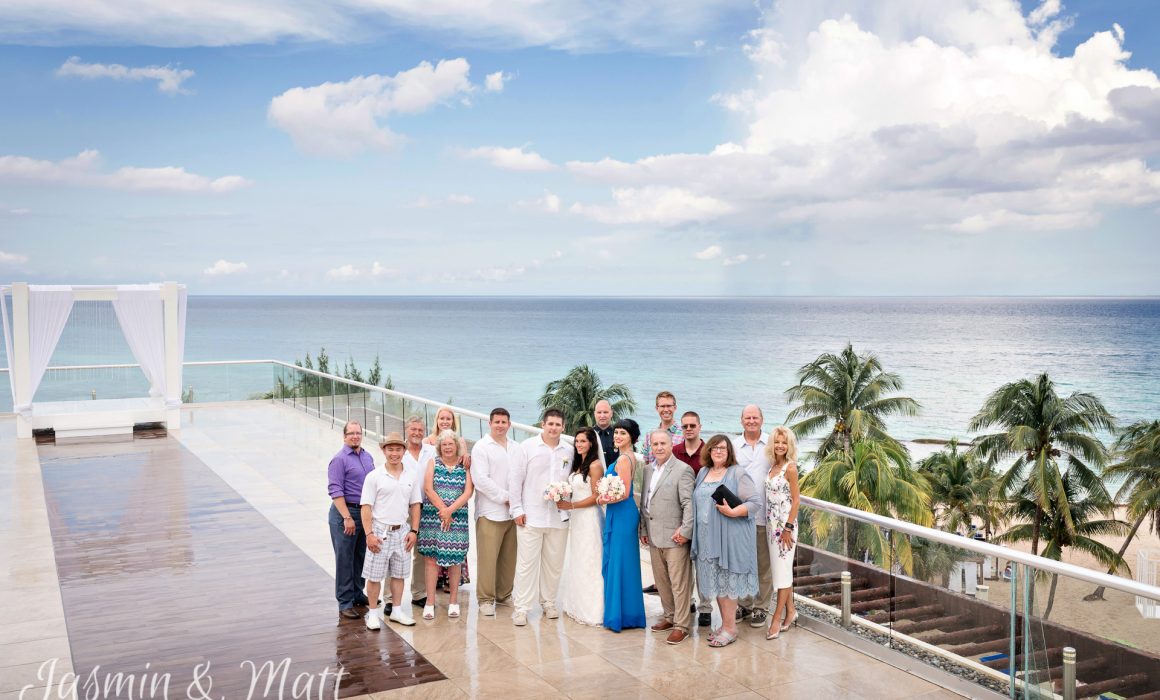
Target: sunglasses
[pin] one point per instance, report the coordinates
(689, 426)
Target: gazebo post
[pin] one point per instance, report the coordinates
(20, 371)
(172, 356)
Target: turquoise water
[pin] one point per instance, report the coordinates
(714, 354)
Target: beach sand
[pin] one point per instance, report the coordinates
(1116, 617)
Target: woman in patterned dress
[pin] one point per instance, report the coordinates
(782, 500)
(445, 419)
(443, 528)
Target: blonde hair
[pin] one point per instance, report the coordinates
(790, 444)
(452, 436)
(454, 420)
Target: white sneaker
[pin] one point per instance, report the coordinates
(519, 619)
(402, 618)
(487, 608)
(373, 619)
(550, 611)
(428, 612)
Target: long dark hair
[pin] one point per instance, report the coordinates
(594, 447)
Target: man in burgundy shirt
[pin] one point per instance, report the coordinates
(345, 475)
(689, 451)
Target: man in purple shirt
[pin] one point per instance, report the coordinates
(346, 474)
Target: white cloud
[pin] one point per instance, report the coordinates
(379, 270)
(168, 79)
(451, 199)
(224, 267)
(735, 260)
(958, 116)
(510, 158)
(666, 206)
(494, 82)
(581, 25)
(342, 119)
(345, 272)
(7, 258)
(84, 170)
(549, 202)
(461, 199)
(713, 251)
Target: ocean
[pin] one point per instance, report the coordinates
(715, 354)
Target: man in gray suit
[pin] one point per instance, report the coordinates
(666, 525)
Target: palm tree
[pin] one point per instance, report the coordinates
(578, 391)
(1075, 528)
(848, 393)
(961, 487)
(1039, 428)
(1138, 447)
(873, 476)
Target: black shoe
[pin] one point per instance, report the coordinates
(742, 613)
(362, 603)
(757, 619)
(419, 602)
(350, 613)
(387, 609)
(649, 589)
(693, 608)
(705, 619)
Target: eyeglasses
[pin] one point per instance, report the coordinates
(720, 448)
(666, 405)
(689, 426)
(358, 434)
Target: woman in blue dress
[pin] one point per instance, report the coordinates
(623, 599)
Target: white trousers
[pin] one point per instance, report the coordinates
(539, 561)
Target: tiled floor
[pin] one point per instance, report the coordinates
(276, 459)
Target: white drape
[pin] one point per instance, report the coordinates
(140, 313)
(48, 310)
(4, 292)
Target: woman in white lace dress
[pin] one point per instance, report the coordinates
(582, 584)
(782, 499)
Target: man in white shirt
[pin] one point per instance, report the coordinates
(541, 534)
(389, 508)
(492, 458)
(416, 457)
(750, 447)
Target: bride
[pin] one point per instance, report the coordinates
(582, 585)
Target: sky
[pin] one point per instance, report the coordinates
(588, 147)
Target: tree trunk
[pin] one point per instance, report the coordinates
(1035, 532)
(1051, 596)
(1098, 593)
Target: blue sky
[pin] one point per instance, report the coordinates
(686, 147)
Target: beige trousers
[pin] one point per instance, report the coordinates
(418, 575)
(495, 559)
(539, 561)
(764, 576)
(672, 571)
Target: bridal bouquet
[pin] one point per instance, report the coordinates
(609, 488)
(558, 491)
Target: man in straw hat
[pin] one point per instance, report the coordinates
(390, 515)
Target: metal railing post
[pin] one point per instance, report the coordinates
(1068, 673)
(845, 598)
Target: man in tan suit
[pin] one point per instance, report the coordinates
(666, 525)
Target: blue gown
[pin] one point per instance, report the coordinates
(623, 599)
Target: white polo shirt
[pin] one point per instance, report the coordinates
(491, 463)
(390, 498)
(756, 464)
(539, 466)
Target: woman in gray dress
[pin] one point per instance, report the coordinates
(724, 537)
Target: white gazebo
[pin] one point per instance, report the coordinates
(152, 317)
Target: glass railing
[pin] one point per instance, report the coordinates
(997, 617)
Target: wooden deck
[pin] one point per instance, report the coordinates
(164, 569)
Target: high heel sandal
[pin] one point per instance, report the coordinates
(773, 632)
(789, 622)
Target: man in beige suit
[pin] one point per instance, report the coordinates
(666, 525)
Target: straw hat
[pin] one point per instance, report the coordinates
(393, 439)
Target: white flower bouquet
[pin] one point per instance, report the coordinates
(609, 488)
(558, 491)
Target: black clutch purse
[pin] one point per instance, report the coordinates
(724, 495)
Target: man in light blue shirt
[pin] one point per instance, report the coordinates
(750, 447)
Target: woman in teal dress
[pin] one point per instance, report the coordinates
(620, 564)
(444, 534)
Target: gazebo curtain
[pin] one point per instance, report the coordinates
(140, 313)
(48, 310)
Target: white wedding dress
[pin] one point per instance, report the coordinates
(582, 583)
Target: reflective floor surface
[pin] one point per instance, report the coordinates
(258, 502)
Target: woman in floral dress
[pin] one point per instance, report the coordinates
(782, 500)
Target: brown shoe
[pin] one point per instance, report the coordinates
(350, 613)
(677, 636)
(662, 626)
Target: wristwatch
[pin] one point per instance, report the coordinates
(414, 531)
(789, 526)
